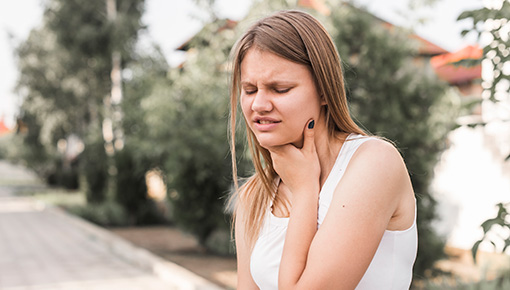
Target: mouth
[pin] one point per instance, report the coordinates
(265, 122)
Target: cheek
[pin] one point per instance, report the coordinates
(245, 108)
(298, 117)
(304, 109)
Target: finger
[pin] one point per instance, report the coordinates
(308, 138)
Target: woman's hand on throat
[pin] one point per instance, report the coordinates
(298, 168)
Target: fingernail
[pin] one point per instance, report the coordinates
(311, 124)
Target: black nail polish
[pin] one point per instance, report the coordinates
(311, 124)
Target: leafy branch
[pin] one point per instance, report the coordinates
(501, 220)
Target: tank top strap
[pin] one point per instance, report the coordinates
(351, 144)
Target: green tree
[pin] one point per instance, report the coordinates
(145, 75)
(65, 75)
(48, 97)
(492, 24)
(185, 119)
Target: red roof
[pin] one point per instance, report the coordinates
(445, 67)
(428, 48)
(3, 128)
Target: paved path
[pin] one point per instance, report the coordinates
(45, 248)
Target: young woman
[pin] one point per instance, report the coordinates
(328, 206)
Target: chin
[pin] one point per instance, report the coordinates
(271, 142)
(267, 145)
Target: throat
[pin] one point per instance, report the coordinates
(328, 156)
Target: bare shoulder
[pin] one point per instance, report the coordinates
(383, 174)
(379, 155)
(378, 172)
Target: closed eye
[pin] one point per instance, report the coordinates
(282, 91)
(250, 92)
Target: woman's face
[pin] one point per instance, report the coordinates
(278, 98)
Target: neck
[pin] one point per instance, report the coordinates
(327, 147)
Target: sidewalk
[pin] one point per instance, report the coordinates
(43, 247)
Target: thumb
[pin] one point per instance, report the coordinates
(308, 138)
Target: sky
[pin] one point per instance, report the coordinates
(172, 22)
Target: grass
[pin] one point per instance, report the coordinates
(12, 182)
(62, 198)
(104, 214)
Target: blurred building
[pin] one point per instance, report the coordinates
(466, 78)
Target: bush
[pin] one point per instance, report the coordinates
(94, 162)
(66, 176)
(106, 214)
(185, 121)
(131, 190)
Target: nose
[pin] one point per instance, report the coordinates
(261, 102)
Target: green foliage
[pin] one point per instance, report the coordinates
(42, 116)
(4, 148)
(497, 51)
(106, 214)
(186, 120)
(58, 197)
(396, 96)
(95, 171)
(65, 175)
(65, 75)
(501, 221)
(131, 189)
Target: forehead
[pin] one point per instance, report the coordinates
(260, 65)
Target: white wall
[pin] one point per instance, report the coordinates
(471, 178)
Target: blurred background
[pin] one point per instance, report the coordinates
(120, 109)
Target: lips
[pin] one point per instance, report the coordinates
(265, 120)
(265, 124)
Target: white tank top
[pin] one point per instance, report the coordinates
(391, 266)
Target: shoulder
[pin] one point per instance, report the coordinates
(377, 165)
(379, 155)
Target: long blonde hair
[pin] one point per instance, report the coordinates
(300, 38)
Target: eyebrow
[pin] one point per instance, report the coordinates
(269, 84)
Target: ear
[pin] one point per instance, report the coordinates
(323, 100)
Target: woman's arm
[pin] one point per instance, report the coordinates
(299, 170)
(300, 233)
(244, 278)
(338, 254)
